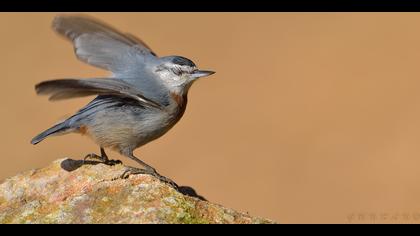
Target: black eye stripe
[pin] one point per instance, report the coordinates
(177, 71)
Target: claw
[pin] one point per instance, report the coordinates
(112, 162)
(92, 156)
(103, 159)
(135, 171)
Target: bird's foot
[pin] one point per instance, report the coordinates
(136, 171)
(112, 162)
(102, 159)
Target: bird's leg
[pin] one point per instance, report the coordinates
(92, 156)
(106, 160)
(148, 170)
(103, 158)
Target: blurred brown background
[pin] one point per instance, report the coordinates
(310, 118)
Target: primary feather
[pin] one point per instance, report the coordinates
(99, 44)
(70, 88)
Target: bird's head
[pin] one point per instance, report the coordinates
(178, 73)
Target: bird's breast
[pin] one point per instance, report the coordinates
(158, 122)
(178, 106)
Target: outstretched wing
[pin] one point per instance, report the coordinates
(126, 56)
(99, 44)
(71, 88)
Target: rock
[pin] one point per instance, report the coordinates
(69, 192)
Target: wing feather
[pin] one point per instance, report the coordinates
(70, 88)
(99, 44)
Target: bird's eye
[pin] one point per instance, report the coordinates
(177, 71)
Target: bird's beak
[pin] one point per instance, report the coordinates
(201, 73)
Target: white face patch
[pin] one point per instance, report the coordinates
(172, 78)
(174, 72)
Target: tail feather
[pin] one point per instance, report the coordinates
(57, 129)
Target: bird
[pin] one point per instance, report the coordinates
(142, 99)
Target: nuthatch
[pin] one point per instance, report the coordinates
(144, 98)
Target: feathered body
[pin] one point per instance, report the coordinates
(143, 99)
(122, 125)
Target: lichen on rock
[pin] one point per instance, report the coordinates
(68, 192)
